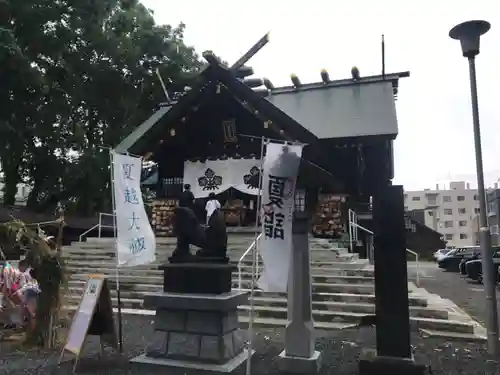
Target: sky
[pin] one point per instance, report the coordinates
(435, 143)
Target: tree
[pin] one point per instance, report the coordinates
(89, 73)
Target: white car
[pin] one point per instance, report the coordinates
(440, 254)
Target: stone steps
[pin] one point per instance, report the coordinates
(136, 298)
(455, 328)
(342, 288)
(232, 249)
(109, 258)
(350, 307)
(356, 318)
(156, 277)
(245, 269)
(323, 312)
(281, 323)
(131, 286)
(232, 238)
(111, 263)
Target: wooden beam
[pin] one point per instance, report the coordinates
(250, 53)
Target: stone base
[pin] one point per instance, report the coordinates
(229, 366)
(390, 366)
(198, 278)
(196, 328)
(300, 365)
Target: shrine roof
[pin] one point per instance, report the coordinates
(345, 108)
(139, 140)
(338, 109)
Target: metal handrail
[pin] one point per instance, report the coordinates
(353, 236)
(353, 233)
(101, 214)
(80, 238)
(99, 225)
(247, 251)
(362, 228)
(417, 280)
(370, 248)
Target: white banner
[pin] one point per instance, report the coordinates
(135, 242)
(216, 176)
(281, 166)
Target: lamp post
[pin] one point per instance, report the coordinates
(469, 33)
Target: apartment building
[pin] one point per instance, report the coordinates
(448, 210)
(493, 201)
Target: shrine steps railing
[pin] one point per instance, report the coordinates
(253, 245)
(354, 227)
(98, 226)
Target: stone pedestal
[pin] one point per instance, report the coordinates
(202, 278)
(299, 355)
(196, 330)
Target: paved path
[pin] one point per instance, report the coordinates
(465, 293)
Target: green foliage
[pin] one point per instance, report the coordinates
(77, 76)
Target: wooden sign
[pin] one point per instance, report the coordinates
(94, 316)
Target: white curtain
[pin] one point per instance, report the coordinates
(216, 176)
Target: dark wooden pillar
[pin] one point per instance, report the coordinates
(391, 288)
(391, 278)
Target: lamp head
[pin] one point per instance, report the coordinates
(469, 33)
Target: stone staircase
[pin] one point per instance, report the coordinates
(342, 286)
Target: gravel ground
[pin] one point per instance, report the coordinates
(341, 349)
(341, 352)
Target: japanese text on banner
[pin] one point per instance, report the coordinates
(281, 165)
(135, 238)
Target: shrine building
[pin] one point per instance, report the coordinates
(211, 138)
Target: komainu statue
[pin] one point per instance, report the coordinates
(212, 241)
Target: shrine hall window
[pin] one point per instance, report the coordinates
(300, 200)
(172, 187)
(229, 128)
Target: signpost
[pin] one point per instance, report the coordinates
(94, 316)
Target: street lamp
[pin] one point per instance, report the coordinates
(469, 33)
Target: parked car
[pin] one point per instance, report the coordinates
(474, 267)
(452, 259)
(440, 254)
(475, 255)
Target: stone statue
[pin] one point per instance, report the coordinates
(212, 240)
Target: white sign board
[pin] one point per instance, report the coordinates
(281, 166)
(135, 242)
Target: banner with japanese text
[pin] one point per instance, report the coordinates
(281, 166)
(135, 242)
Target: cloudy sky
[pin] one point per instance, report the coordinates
(435, 141)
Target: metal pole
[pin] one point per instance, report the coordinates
(115, 232)
(488, 265)
(100, 217)
(350, 230)
(255, 257)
